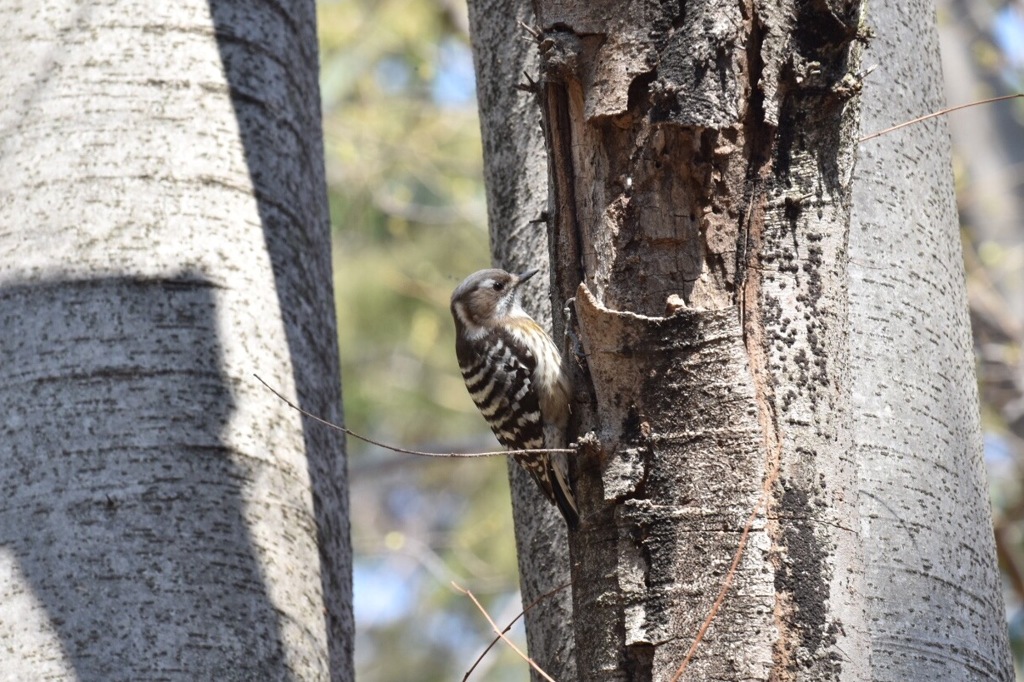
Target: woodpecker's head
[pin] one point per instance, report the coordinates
(487, 297)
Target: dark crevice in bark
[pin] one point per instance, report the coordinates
(639, 93)
(639, 664)
(560, 50)
(759, 137)
(820, 29)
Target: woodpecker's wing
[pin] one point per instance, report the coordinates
(499, 376)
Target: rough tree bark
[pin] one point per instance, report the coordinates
(515, 168)
(700, 165)
(163, 235)
(704, 152)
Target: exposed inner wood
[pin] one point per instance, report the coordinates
(700, 159)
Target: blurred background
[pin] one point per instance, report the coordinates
(404, 171)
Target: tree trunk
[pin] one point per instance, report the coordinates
(700, 164)
(700, 175)
(933, 594)
(163, 235)
(517, 199)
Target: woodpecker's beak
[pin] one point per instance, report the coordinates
(525, 276)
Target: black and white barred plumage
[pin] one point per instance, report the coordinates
(514, 374)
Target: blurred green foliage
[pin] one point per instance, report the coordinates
(407, 207)
(407, 204)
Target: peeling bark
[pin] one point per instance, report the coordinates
(700, 164)
(704, 152)
(677, 485)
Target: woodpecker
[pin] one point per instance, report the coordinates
(514, 374)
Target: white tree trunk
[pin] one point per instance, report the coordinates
(933, 593)
(164, 235)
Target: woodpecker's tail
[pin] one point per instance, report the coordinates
(565, 500)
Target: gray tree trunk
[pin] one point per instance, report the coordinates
(700, 164)
(700, 168)
(163, 235)
(933, 594)
(515, 169)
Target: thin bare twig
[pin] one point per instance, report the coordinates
(509, 626)
(534, 32)
(406, 451)
(502, 634)
(941, 112)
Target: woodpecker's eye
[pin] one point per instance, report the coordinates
(498, 286)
